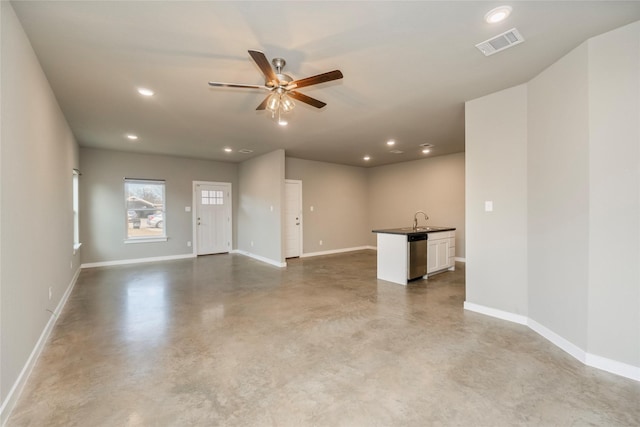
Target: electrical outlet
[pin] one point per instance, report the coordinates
(252, 243)
(320, 242)
(71, 265)
(189, 244)
(50, 293)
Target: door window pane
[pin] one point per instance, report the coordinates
(212, 197)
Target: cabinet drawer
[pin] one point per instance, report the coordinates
(441, 235)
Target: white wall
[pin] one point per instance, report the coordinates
(558, 192)
(103, 208)
(260, 214)
(496, 171)
(339, 196)
(614, 192)
(38, 155)
(434, 185)
(583, 201)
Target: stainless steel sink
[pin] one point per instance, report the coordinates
(422, 228)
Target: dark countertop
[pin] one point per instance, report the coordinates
(409, 230)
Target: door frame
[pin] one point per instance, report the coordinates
(301, 228)
(194, 213)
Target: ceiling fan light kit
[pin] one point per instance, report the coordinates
(282, 86)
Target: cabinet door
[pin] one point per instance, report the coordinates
(437, 255)
(443, 253)
(432, 256)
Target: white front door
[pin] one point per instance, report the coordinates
(293, 218)
(213, 218)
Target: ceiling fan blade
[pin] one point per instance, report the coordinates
(306, 99)
(314, 80)
(263, 104)
(240, 85)
(263, 63)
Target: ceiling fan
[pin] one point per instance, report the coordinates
(282, 86)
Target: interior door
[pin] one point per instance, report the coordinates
(293, 219)
(213, 218)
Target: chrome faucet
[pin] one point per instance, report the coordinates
(415, 218)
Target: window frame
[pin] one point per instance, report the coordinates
(75, 207)
(145, 239)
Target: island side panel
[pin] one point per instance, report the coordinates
(392, 258)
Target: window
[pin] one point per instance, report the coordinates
(76, 213)
(145, 210)
(212, 197)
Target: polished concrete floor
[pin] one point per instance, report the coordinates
(228, 341)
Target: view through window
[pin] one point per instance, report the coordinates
(145, 204)
(76, 214)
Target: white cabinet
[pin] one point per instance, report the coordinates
(393, 252)
(441, 251)
(392, 257)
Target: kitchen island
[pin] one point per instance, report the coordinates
(394, 255)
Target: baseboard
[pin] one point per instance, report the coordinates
(260, 258)
(613, 366)
(592, 360)
(504, 315)
(337, 251)
(136, 261)
(18, 386)
(459, 259)
(558, 341)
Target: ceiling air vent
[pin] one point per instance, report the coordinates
(500, 42)
(245, 151)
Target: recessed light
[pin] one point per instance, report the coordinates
(426, 151)
(366, 158)
(145, 92)
(497, 14)
(132, 137)
(228, 150)
(391, 142)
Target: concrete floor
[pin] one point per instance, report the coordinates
(227, 340)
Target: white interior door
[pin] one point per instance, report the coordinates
(213, 218)
(293, 218)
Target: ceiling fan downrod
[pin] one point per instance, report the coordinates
(278, 64)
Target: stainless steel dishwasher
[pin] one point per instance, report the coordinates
(417, 256)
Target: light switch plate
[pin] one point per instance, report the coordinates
(187, 208)
(488, 206)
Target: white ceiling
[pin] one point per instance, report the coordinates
(408, 69)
